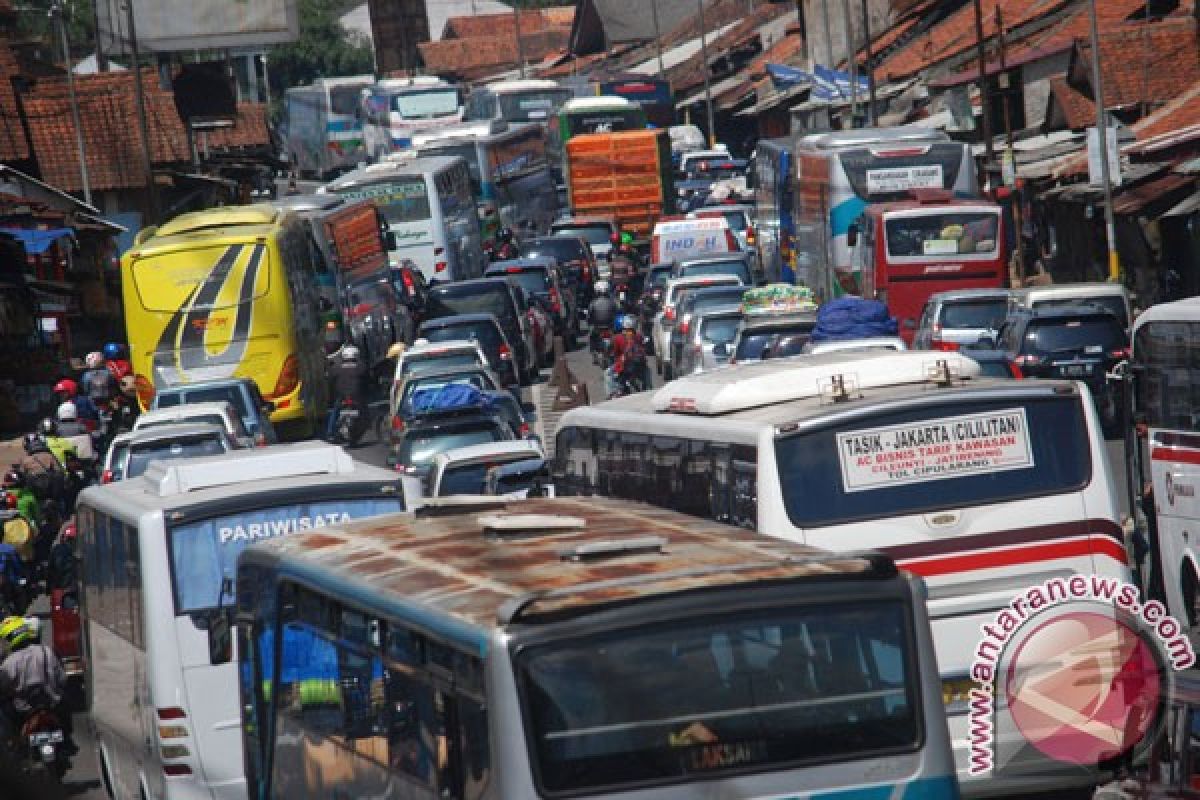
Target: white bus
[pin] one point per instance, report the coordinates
(530, 100)
(837, 174)
(324, 131)
(395, 109)
(429, 207)
(775, 447)
(158, 559)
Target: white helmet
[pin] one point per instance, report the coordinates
(349, 353)
(67, 412)
(94, 360)
(601, 287)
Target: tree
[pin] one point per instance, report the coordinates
(323, 50)
(33, 22)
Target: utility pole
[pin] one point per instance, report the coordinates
(712, 130)
(101, 57)
(1009, 155)
(56, 16)
(1110, 226)
(828, 34)
(657, 37)
(520, 44)
(984, 95)
(851, 60)
(147, 157)
(869, 67)
(806, 51)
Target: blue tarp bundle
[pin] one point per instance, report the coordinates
(448, 397)
(852, 318)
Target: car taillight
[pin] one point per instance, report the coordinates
(683, 326)
(347, 402)
(289, 378)
(1027, 360)
(260, 440)
(409, 286)
(106, 476)
(523, 430)
(144, 389)
(1120, 352)
(945, 347)
(731, 241)
(440, 264)
(750, 236)
(669, 313)
(505, 353)
(1016, 372)
(397, 423)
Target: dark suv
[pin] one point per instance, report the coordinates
(574, 257)
(1080, 342)
(495, 296)
(482, 329)
(540, 278)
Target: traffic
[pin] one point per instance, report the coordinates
(693, 475)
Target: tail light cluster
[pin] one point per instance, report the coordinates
(1120, 352)
(937, 343)
(440, 264)
(288, 380)
(172, 730)
(731, 241)
(505, 353)
(106, 476)
(144, 389)
(1027, 360)
(751, 236)
(669, 313)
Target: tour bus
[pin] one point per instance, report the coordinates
(429, 209)
(652, 94)
(510, 175)
(1165, 389)
(598, 115)
(228, 292)
(527, 100)
(985, 488)
(324, 126)
(906, 251)
(775, 229)
(567, 648)
(837, 174)
(158, 559)
(394, 109)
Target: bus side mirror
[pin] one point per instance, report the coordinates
(389, 240)
(220, 637)
(852, 236)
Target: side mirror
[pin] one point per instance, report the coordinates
(220, 629)
(721, 350)
(389, 240)
(852, 235)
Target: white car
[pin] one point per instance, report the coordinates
(217, 413)
(664, 320)
(892, 343)
(425, 355)
(465, 469)
(130, 453)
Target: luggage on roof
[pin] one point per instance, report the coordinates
(853, 318)
(778, 298)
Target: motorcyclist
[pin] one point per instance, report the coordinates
(31, 676)
(627, 354)
(506, 245)
(19, 533)
(78, 475)
(63, 569)
(98, 382)
(116, 362)
(349, 379)
(67, 390)
(12, 572)
(602, 310)
(27, 502)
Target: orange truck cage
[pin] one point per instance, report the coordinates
(626, 174)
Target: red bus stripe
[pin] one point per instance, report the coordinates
(1093, 546)
(1175, 454)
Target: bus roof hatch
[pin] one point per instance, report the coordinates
(168, 478)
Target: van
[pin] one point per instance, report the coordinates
(684, 239)
(1112, 297)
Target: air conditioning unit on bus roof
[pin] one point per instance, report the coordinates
(168, 478)
(767, 383)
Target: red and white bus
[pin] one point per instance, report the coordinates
(908, 250)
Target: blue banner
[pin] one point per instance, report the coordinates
(784, 76)
(833, 83)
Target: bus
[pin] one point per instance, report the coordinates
(837, 174)
(774, 226)
(652, 94)
(846, 451)
(157, 559)
(394, 109)
(527, 100)
(429, 208)
(324, 125)
(598, 115)
(566, 648)
(906, 251)
(229, 292)
(510, 175)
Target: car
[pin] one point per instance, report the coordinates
(1113, 297)
(690, 302)
(739, 264)
(575, 258)
(766, 336)
(960, 317)
(513, 411)
(425, 355)
(426, 435)
(481, 378)
(598, 231)
(131, 453)
(541, 325)
(495, 296)
(541, 279)
(484, 331)
(242, 393)
(740, 217)
(465, 470)
(411, 289)
(992, 363)
(220, 413)
(654, 283)
(664, 320)
(702, 160)
(711, 336)
(892, 343)
(1081, 342)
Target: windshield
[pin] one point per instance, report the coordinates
(736, 268)
(918, 461)
(658, 277)
(140, 456)
(765, 689)
(532, 104)
(974, 314)
(418, 449)
(427, 104)
(711, 298)
(471, 299)
(533, 281)
(401, 199)
(593, 234)
(215, 394)
(464, 358)
(559, 249)
(1113, 304)
(947, 234)
(214, 419)
(720, 330)
(204, 552)
(472, 478)
(1094, 334)
(483, 332)
(469, 154)
(344, 100)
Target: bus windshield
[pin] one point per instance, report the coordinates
(949, 234)
(400, 199)
(533, 104)
(428, 104)
(344, 100)
(204, 552)
(467, 151)
(765, 689)
(599, 121)
(594, 234)
(918, 460)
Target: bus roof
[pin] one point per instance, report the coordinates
(324, 84)
(236, 223)
(601, 103)
(307, 203)
(483, 563)
(863, 137)
(508, 87)
(303, 468)
(372, 173)
(417, 82)
(463, 131)
(915, 208)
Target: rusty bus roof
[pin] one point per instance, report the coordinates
(533, 560)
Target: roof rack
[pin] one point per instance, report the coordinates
(458, 503)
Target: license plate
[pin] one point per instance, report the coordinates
(1075, 370)
(46, 737)
(350, 415)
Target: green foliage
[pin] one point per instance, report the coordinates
(33, 22)
(322, 51)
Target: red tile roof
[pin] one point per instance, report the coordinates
(1077, 110)
(249, 131)
(480, 56)
(1182, 112)
(504, 24)
(13, 146)
(1147, 64)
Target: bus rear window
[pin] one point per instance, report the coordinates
(947, 234)
(922, 460)
(698, 698)
(221, 277)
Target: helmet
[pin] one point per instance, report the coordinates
(349, 353)
(627, 238)
(13, 479)
(66, 386)
(504, 235)
(112, 351)
(601, 287)
(48, 427)
(627, 322)
(17, 632)
(10, 501)
(94, 360)
(67, 412)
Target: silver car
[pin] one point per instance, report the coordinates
(953, 319)
(710, 343)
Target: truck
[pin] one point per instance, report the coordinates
(625, 174)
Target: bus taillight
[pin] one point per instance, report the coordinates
(144, 389)
(289, 378)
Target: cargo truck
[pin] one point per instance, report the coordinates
(626, 175)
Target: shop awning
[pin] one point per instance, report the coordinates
(1133, 200)
(37, 241)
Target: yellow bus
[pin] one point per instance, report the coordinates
(223, 293)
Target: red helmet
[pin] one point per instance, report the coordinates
(68, 386)
(69, 531)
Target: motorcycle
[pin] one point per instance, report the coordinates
(631, 379)
(599, 341)
(350, 424)
(36, 757)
